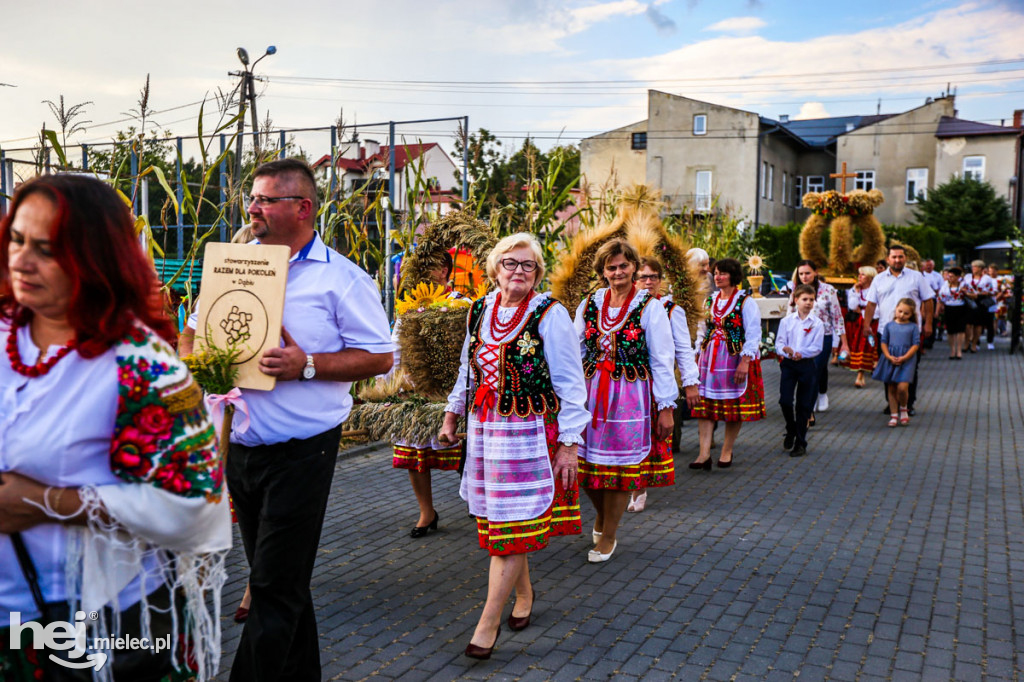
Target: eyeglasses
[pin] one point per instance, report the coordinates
(649, 278)
(511, 264)
(266, 201)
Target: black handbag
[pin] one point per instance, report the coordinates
(134, 665)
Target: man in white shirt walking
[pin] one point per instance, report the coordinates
(887, 289)
(934, 280)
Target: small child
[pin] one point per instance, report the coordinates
(900, 341)
(801, 337)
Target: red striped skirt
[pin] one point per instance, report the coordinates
(425, 459)
(657, 470)
(747, 408)
(503, 538)
(862, 356)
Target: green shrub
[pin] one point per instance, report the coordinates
(779, 245)
(927, 240)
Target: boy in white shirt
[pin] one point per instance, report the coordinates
(800, 338)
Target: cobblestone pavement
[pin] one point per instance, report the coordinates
(883, 554)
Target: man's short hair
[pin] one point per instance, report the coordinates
(803, 289)
(897, 247)
(294, 167)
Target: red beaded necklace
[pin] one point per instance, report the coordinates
(499, 329)
(719, 311)
(40, 368)
(608, 321)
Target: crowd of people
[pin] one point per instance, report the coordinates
(119, 503)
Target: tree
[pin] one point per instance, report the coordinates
(115, 162)
(967, 212)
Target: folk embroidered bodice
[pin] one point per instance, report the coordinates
(669, 307)
(625, 346)
(515, 371)
(728, 325)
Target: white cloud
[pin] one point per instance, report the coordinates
(740, 25)
(812, 110)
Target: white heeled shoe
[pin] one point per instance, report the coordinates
(595, 557)
(638, 503)
(596, 535)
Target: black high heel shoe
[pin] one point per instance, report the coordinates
(705, 465)
(482, 653)
(421, 531)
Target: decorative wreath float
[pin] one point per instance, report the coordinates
(409, 404)
(638, 221)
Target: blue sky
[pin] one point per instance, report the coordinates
(796, 58)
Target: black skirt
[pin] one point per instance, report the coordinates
(956, 318)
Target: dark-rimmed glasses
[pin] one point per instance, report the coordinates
(511, 264)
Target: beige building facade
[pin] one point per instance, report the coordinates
(708, 157)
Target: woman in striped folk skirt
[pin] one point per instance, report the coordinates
(626, 340)
(731, 388)
(525, 417)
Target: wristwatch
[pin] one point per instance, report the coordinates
(309, 371)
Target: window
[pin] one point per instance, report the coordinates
(865, 180)
(785, 188)
(771, 182)
(639, 141)
(798, 190)
(700, 124)
(974, 168)
(764, 179)
(917, 184)
(815, 183)
(703, 194)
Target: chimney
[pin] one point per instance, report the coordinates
(1018, 114)
(784, 118)
(370, 147)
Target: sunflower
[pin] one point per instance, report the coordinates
(423, 296)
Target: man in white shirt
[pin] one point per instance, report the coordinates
(800, 339)
(279, 471)
(886, 291)
(934, 280)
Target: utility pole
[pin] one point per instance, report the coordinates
(246, 90)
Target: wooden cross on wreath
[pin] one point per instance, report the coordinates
(843, 175)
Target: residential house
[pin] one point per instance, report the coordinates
(705, 156)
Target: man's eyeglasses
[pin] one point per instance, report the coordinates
(511, 264)
(266, 201)
(649, 278)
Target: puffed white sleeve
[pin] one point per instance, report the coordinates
(566, 369)
(661, 351)
(852, 299)
(752, 329)
(580, 326)
(457, 398)
(685, 360)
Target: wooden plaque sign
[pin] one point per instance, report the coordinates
(242, 302)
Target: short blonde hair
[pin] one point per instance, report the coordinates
(868, 271)
(509, 243)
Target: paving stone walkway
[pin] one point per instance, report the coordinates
(884, 554)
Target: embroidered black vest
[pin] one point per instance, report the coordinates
(524, 380)
(732, 325)
(629, 343)
(669, 307)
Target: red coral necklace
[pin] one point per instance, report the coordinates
(608, 321)
(499, 329)
(42, 367)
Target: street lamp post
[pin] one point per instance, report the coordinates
(246, 90)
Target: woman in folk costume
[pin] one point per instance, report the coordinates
(420, 458)
(626, 340)
(863, 355)
(652, 278)
(731, 388)
(112, 497)
(526, 415)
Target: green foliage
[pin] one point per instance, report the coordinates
(716, 230)
(115, 162)
(928, 241)
(967, 213)
(779, 245)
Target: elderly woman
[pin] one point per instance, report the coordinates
(652, 278)
(626, 340)
(863, 355)
(826, 308)
(526, 395)
(112, 498)
(731, 388)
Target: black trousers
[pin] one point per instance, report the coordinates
(280, 495)
(821, 361)
(799, 377)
